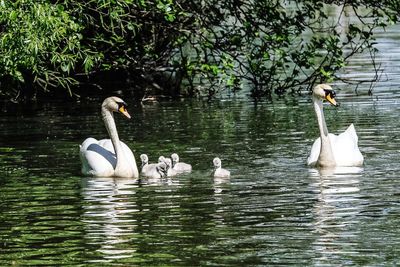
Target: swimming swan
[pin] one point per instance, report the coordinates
(154, 170)
(336, 150)
(179, 167)
(168, 162)
(218, 170)
(109, 157)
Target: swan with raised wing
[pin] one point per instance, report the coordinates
(109, 157)
(331, 150)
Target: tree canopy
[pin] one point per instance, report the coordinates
(182, 47)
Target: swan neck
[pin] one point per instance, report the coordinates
(109, 122)
(319, 111)
(144, 164)
(326, 157)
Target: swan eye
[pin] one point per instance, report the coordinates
(330, 92)
(122, 107)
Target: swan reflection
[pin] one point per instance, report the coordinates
(335, 171)
(107, 215)
(336, 211)
(220, 184)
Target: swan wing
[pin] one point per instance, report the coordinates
(110, 157)
(314, 154)
(97, 157)
(130, 159)
(316, 149)
(181, 167)
(345, 148)
(351, 133)
(222, 173)
(149, 170)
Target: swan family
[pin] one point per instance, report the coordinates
(113, 158)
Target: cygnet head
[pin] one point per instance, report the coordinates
(175, 158)
(116, 104)
(325, 92)
(166, 161)
(162, 169)
(217, 162)
(144, 158)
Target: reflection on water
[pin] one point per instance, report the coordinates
(220, 184)
(111, 214)
(336, 212)
(106, 217)
(335, 171)
(273, 209)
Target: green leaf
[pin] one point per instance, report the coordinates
(65, 67)
(13, 15)
(88, 64)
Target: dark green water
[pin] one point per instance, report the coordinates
(273, 210)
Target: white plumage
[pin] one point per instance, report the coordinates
(220, 172)
(153, 170)
(109, 157)
(180, 167)
(334, 150)
(168, 162)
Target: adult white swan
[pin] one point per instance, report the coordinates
(109, 157)
(331, 150)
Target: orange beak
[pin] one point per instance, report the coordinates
(123, 111)
(331, 100)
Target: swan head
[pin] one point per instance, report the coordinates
(116, 104)
(144, 158)
(175, 158)
(165, 160)
(217, 162)
(325, 92)
(168, 161)
(162, 169)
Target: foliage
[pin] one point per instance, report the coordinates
(40, 43)
(277, 45)
(186, 47)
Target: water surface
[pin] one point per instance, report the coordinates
(273, 210)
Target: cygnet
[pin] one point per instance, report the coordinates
(180, 167)
(218, 170)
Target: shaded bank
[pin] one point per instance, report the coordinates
(175, 48)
